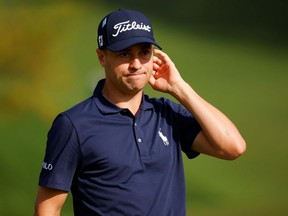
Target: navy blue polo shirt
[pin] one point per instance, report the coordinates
(115, 163)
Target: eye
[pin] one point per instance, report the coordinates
(123, 54)
(146, 53)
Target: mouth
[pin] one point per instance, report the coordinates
(135, 74)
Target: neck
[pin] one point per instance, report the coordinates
(127, 101)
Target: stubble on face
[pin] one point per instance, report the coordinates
(129, 70)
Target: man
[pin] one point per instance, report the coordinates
(119, 151)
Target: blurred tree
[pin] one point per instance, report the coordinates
(29, 35)
(263, 20)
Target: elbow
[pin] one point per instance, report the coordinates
(238, 148)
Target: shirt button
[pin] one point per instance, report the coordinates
(135, 124)
(139, 140)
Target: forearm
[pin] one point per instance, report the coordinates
(219, 136)
(222, 135)
(47, 208)
(49, 202)
(46, 211)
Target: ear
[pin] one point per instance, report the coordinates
(101, 56)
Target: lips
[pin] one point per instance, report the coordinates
(135, 74)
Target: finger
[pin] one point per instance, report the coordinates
(157, 60)
(161, 55)
(156, 66)
(152, 80)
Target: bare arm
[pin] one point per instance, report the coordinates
(219, 136)
(49, 202)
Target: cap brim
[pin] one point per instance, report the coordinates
(124, 44)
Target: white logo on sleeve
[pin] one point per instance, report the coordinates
(47, 166)
(163, 137)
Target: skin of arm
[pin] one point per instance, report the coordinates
(49, 202)
(219, 136)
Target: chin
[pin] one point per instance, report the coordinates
(138, 84)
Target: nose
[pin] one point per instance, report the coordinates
(135, 63)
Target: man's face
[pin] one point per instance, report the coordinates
(128, 70)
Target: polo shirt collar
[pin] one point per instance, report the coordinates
(107, 107)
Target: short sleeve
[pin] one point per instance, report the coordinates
(61, 155)
(188, 129)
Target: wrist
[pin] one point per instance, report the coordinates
(179, 88)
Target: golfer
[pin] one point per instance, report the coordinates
(119, 151)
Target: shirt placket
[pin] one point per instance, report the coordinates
(139, 138)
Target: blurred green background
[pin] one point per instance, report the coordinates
(233, 53)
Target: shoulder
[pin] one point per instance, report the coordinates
(164, 105)
(66, 120)
(159, 102)
(81, 107)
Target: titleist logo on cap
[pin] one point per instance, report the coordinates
(124, 28)
(128, 26)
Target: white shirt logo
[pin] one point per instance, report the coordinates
(164, 138)
(128, 26)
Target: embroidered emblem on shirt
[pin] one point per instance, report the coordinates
(163, 137)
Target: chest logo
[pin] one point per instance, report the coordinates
(163, 137)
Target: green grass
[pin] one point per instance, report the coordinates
(247, 81)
